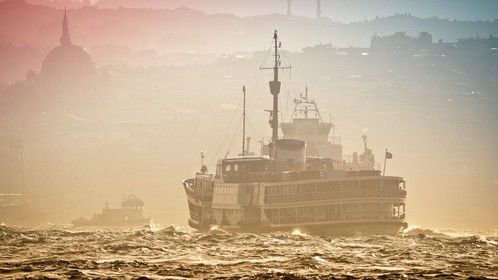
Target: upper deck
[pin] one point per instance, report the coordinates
(262, 170)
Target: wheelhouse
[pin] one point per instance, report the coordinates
(245, 169)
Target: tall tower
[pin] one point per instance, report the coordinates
(318, 8)
(289, 8)
(65, 38)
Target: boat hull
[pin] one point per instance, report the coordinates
(332, 228)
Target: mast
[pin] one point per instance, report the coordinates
(275, 89)
(275, 86)
(244, 122)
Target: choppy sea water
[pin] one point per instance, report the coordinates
(179, 252)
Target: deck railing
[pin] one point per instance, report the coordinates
(270, 177)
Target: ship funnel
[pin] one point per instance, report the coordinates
(289, 154)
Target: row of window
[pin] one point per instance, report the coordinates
(225, 190)
(329, 186)
(328, 213)
(225, 212)
(285, 194)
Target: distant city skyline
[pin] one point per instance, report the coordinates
(343, 10)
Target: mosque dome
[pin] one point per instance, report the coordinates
(67, 64)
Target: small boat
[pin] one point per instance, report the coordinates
(130, 214)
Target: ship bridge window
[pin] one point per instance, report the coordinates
(402, 185)
(243, 170)
(231, 168)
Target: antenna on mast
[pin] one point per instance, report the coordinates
(244, 122)
(203, 166)
(318, 9)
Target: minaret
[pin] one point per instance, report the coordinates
(65, 38)
(289, 8)
(318, 8)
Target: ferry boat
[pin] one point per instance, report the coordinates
(130, 214)
(299, 182)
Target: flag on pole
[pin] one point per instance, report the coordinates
(389, 155)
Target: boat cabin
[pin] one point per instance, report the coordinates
(261, 169)
(242, 169)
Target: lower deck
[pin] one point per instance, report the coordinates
(369, 204)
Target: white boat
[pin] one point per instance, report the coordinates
(299, 182)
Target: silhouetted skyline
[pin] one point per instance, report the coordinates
(342, 10)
